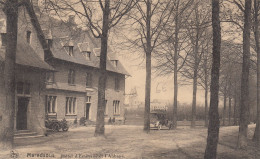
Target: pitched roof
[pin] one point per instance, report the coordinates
(83, 41)
(65, 32)
(26, 56)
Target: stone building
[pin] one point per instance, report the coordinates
(63, 84)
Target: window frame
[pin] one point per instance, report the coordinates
(89, 80)
(53, 102)
(71, 77)
(28, 36)
(117, 83)
(116, 107)
(71, 106)
(49, 77)
(24, 91)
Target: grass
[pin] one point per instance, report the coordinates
(130, 142)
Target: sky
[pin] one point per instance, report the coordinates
(162, 87)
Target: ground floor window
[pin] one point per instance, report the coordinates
(116, 107)
(51, 104)
(71, 106)
(106, 108)
(87, 108)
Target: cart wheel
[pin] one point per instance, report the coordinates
(159, 127)
(171, 127)
(55, 127)
(65, 128)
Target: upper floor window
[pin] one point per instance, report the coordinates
(28, 36)
(115, 62)
(116, 107)
(51, 104)
(71, 106)
(49, 78)
(88, 80)
(71, 76)
(69, 50)
(117, 85)
(88, 55)
(106, 108)
(49, 42)
(23, 88)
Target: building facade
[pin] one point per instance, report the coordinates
(64, 84)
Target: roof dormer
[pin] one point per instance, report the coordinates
(85, 50)
(114, 62)
(69, 47)
(49, 39)
(97, 51)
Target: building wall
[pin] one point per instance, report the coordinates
(62, 89)
(35, 109)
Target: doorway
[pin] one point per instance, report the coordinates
(21, 119)
(87, 110)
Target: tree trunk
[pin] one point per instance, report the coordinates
(195, 77)
(206, 102)
(148, 70)
(235, 106)
(175, 100)
(225, 107)
(100, 123)
(229, 110)
(7, 122)
(206, 88)
(213, 128)
(244, 108)
(256, 33)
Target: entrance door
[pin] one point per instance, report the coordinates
(87, 110)
(21, 119)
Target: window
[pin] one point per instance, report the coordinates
(69, 50)
(23, 88)
(71, 76)
(49, 79)
(28, 36)
(115, 62)
(19, 87)
(116, 83)
(87, 108)
(49, 42)
(116, 107)
(88, 55)
(88, 80)
(106, 108)
(51, 104)
(71, 104)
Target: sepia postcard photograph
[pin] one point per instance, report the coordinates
(129, 79)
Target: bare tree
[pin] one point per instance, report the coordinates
(204, 73)
(99, 25)
(7, 122)
(195, 28)
(169, 61)
(213, 128)
(147, 22)
(244, 105)
(256, 34)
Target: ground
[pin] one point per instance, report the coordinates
(130, 142)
